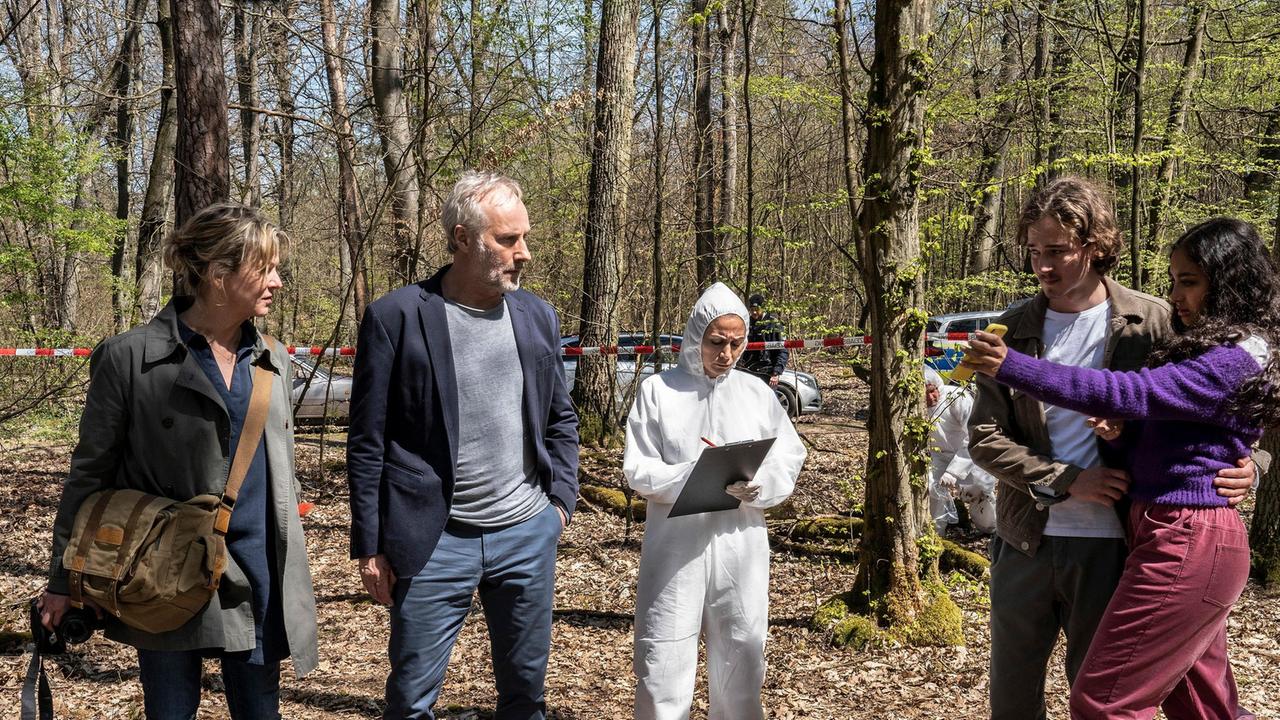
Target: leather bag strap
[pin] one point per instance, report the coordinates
(247, 446)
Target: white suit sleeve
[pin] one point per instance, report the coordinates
(777, 474)
(954, 426)
(642, 463)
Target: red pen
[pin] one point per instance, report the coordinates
(707, 442)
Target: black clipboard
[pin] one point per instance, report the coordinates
(717, 468)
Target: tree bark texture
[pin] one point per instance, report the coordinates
(995, 149)
(1175, 123)
(1264, 530)
(659, 201)
(128, 60)
(1268, 163)
(596, 377)
(247, 38)
(848, 127)
(1135, 171)
(896, 508)
(160, 175)
(728, 27)
(704, 180)
(283, 61)
(350, 215)
(749, 14)
(398, 156)
(203, 175)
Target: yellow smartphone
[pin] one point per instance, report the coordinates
(963, 373)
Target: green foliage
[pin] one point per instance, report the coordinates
(38, 188)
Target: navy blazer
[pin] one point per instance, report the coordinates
(402, 446)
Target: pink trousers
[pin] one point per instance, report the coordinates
(1163, 639)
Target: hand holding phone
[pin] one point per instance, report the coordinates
(984, 356)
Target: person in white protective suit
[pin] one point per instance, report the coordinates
(706, 573)
(952, 474)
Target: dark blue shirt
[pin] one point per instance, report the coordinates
(251, 534)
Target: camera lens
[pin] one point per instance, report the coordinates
(74, 628)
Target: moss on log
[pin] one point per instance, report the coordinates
(612, 501)
(827, 528)
(956, 558)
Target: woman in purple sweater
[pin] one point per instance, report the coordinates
(1201, 404)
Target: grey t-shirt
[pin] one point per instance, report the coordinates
(495, 483)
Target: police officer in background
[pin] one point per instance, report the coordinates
(764, 364)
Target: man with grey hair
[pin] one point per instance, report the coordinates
(462, 457)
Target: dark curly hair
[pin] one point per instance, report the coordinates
(1243, 300)
(1084, 211)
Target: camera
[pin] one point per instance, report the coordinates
(77, 626)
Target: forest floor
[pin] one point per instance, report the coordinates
(590, 670)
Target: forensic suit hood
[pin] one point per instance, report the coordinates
(707, 572)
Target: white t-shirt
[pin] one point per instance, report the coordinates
(1077, 339)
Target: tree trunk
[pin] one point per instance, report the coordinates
(596, 379)
(1176, 122)
(393, 125)
(659, 153)
(427, 19)
(1135, 172)
(891, 565)
(128, 60)
(155, 205)
(995, 150)
(1040, 100)
(727, 19)
(1268, 162)
(203, 174)
(247, 40)
(350, 215)
(748, 34)
(285, 57)
(1264, 529)
(848, 124)
(704, 180)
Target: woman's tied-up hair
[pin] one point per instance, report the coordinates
(1084, 212)
(463, 204)
(220, 239)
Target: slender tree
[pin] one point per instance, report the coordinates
(246, 40)
(350, 213)
(995, 149)
(659, 152)
(1135, 171)
(704, 177)
(596, 378)
(748, 17)
(727, 22)
(398, 156)
(155, 204)
(128, 61)
(1176, 122)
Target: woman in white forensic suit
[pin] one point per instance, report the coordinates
(706, 573)
(952, 473)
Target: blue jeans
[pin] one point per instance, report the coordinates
(171, 685)
(514, 569)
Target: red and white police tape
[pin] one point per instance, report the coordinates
(316, 350)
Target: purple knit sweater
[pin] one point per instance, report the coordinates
(1186, 436)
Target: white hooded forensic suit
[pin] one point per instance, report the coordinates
(705, 573)
(952, 473)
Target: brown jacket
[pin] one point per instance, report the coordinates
(1007, 433)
